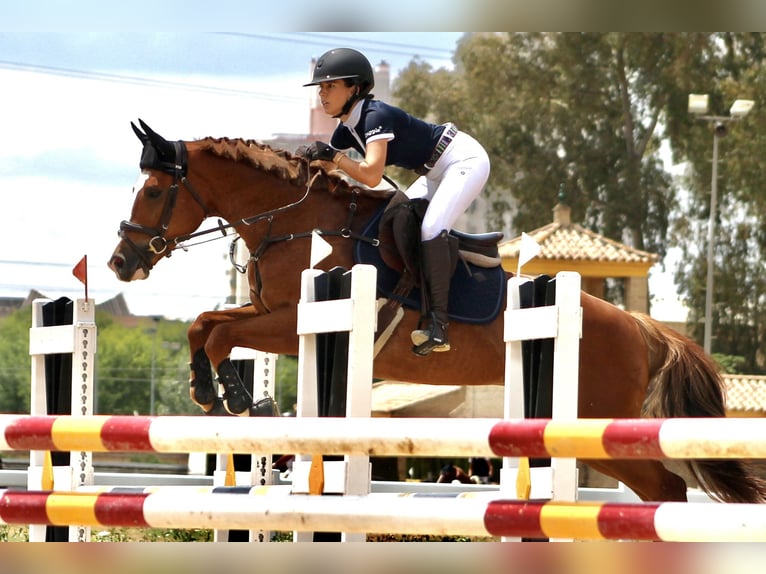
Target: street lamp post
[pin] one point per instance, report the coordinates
(698, 105)
(152, 383)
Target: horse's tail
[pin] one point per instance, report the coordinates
(685, 382)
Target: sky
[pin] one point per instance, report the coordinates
(69, 159)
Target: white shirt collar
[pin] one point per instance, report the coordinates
(355, 115)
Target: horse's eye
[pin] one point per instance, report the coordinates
(153, 192)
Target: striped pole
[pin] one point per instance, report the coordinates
(676, 438)
(307, 435)
(712, 438)
(668, 521)
(468, 514)
(175, 508)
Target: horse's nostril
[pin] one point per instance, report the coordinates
(116, 262)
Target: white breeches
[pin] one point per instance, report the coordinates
(455, 181)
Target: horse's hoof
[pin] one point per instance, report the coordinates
(236, 398)
(208, 406)
(236, 407)
(217, 409)
(202, 396)
(265, 407)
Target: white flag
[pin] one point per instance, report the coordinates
(319, 249)
(529, 250)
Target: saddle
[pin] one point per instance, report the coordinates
(479, 280)
(400, 226)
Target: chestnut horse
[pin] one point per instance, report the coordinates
(630, 365)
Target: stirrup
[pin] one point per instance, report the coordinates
(422, 336)
(433, 339)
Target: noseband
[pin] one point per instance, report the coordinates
(158, 244)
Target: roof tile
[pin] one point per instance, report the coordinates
(569, 241)
(745, 393)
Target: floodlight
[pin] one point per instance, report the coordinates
(741, 108)
(698, 103)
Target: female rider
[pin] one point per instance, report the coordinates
(453, 168)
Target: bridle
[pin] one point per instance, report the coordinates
(158, 243)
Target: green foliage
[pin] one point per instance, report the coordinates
(127, 358)
(9, 533)
(739, 286)
(286, 383)
(15, 362)
(588, 114)
(577, 112)
(732, 365)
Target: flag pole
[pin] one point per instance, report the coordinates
(81, 272)
(528, 250)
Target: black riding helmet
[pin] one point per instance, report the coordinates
(345, 64)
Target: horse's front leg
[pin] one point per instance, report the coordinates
(273, 332)
(202, 387)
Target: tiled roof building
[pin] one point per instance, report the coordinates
(745, 395)
(566, 246)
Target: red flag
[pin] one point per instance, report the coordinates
(81, 272)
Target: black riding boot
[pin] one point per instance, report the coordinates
(437, 271)
(237, 400)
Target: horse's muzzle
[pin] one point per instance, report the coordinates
(124, 269)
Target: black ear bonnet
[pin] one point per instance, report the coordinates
(158, 153)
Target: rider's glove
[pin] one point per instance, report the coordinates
(303, 151)
(320, 150)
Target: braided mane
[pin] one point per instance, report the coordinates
(279, 162)
(284, 165)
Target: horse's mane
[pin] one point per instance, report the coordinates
(279, 162)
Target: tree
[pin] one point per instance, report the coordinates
(128, 359)
(578, 112)
(739, 320)
(589, 113)
(15, 362)
(123, 367)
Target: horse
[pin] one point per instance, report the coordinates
(450, 473)
(630, 365)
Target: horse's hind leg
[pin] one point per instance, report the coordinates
(649, 479)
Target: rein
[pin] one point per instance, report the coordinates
(158, 244)
(270, 240)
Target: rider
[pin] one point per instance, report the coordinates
(453, 167)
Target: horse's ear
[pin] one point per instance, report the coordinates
(139, 134)
(164, 147)
(153, 136)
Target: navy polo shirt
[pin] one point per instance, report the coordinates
(411, 141)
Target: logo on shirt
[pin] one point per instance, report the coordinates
(373, 131)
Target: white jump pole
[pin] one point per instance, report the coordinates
(563, 323)
(260, 473)
(79, 339)
(357, 315)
